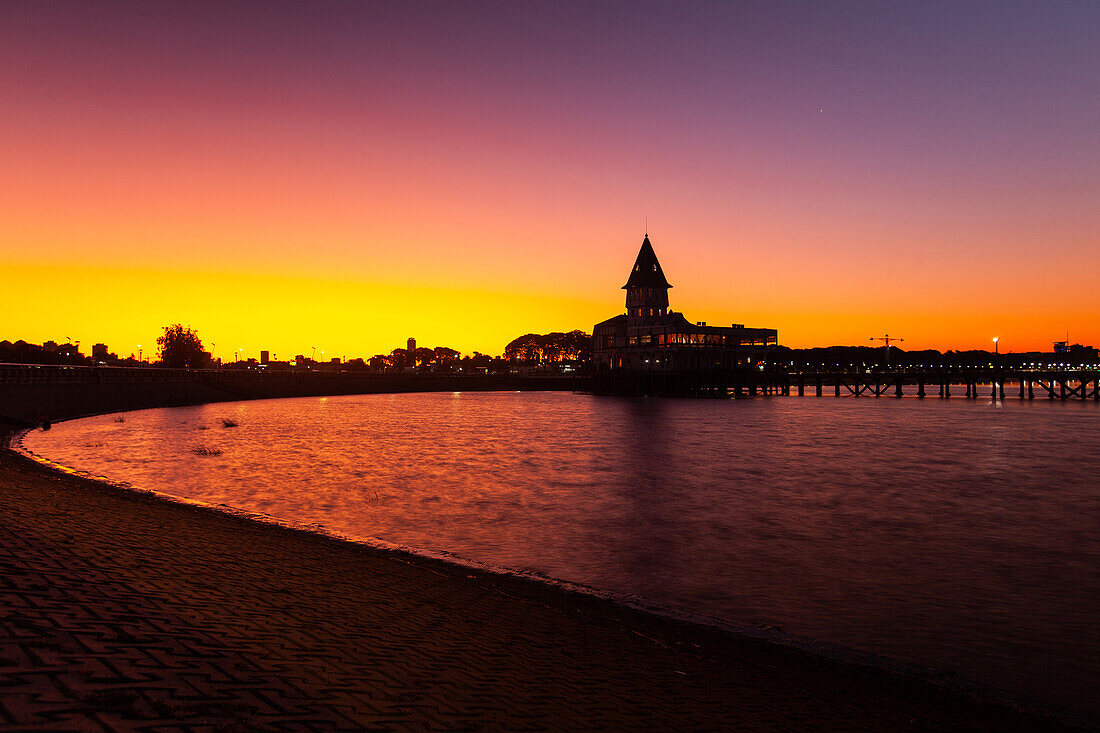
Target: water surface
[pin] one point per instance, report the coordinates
(960, 535)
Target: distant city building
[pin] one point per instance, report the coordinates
(264, 358)
(410, 352)
(99, 352)
(652, 337)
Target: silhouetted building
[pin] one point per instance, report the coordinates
(650, 336)
(410, 352)
(100, 353)
(265, 358)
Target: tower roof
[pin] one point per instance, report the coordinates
(647, 271)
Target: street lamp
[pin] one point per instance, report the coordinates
(139, 353)
(887, 339)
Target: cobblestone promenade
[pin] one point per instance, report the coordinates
(121, 612)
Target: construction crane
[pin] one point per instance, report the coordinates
(887, 338)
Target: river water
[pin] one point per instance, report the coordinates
(960, 535)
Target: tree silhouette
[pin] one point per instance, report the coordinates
(445, 355)
(536, 348)
(181, 347)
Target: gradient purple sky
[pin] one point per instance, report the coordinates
(278, 174)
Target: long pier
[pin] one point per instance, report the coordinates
(1062, 384)
(969, 383)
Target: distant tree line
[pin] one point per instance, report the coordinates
(437, 359)
(22, 352)
(180, 346)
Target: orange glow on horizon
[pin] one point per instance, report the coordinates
(347, 318)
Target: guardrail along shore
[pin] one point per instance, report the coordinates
(32, 393)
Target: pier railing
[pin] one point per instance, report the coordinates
(81, 374)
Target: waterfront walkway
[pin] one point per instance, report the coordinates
(121, 611)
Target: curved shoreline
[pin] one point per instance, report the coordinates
(527, 584)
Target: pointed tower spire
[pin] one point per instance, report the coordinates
(646, 288)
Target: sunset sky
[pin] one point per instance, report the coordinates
(345, 175)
